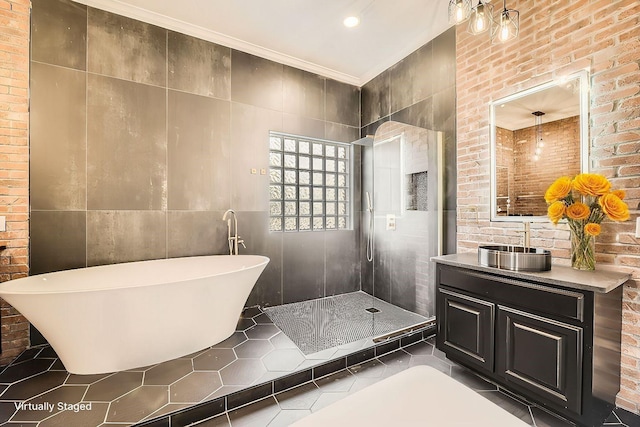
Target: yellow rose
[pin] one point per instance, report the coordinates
(578, 210)
(558, 190)
(613, 207)
(592, 229)
(591, 184)
(620, 193)
(556, 211)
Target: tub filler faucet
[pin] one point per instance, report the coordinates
(233, 238)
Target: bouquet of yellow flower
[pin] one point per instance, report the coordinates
(584, 202)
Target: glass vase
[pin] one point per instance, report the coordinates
(583, 254)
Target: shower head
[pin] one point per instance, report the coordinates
(367, 141)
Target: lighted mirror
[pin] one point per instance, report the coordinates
(537, 135)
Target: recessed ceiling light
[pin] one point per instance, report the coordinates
(351, 21)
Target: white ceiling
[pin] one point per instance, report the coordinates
(306, 34)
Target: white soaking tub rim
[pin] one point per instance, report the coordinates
(114, 276)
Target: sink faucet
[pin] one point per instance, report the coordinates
(234, 239)
(527, 235)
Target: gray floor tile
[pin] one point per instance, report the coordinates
(288, 416)
(92, 417)
(371, 369)
(65, 394)
(260, 413)
(25, 369)
(432, 361)
(302, 397)
(327, 398)
(471, 380)
(509, 404)
(242, 372)
(214, 359)
(128, 409)
(544, 419)
(253, 348)
(284, 360)
(420, 349)
(235, 339)
(339, 382)
(113, 386)
(168, 372)
(263, 331)
(194, 387)
(35, 385)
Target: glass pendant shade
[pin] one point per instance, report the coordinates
(481, 18)
(459, 11)
(507, 26)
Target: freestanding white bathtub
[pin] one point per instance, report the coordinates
(122, 316)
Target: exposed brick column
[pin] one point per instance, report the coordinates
(14, 164)
(558, 38)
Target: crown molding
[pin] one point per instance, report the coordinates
(133, 12)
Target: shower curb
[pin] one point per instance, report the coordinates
(207, 410)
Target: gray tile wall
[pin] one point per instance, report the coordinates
(142, 138)
(420, 91)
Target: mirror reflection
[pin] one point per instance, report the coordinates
(536, 136)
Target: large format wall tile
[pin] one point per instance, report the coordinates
(192, 233)
(303, 93)
(58, 240)
(342, 270)
(303, 266)
(198, 152)
(58, 138)
(126, 145)
(254, 229)
(410, 79)
(343, 103)
(341, 133)
(200, 67)
(298, 125)
(376, 102)
(127, 49)
(123, 236)
(59, 33)
(250, 150)
(256, 81)
(444, 59)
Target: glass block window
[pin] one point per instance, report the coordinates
(309, 184)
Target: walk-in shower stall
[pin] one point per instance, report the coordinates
(397, 209)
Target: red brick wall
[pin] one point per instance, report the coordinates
(557, 38)
(14, 164)
(528, 177)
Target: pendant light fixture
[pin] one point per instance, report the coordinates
(459, 11)
(481, 18)
(539, 143)
(507, 25)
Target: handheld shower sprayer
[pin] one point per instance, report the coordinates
(370, 231)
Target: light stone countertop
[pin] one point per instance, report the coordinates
(596, 281)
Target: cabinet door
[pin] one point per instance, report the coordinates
(541, 355)
(465, 328)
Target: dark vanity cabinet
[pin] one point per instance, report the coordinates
(557, 346)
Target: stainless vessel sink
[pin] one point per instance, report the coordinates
(516, 258)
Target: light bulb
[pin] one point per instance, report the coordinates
(536, 157)
(504, 32)
(459, 12)
(541, 144)
(538, 151)
(351, 21)
(480, 24)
